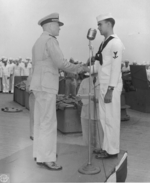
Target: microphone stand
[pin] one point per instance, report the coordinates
(88, 168)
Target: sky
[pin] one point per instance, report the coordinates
(19, 29)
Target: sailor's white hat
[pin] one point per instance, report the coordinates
(104, 17)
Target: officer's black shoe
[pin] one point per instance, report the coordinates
(98, 151)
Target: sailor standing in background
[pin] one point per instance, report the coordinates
(22, 66)
(6, 76)
(11, 66)
(17, 69)
(1, 74)
(126, 66)
(108, 66)
(26, 70)
(29, 65)
(47, 59)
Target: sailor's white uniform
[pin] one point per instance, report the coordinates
(109, 74)
(11, 80)
(1, 76)
(6, 75)
(17, 70)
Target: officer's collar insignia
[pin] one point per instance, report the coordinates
(115, 55)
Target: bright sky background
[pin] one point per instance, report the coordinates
(19, 29)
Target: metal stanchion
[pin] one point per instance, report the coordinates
(88, 168)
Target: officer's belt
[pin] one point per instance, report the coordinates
(98, 55)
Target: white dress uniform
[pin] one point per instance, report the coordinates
(6, 75)
(125, 69)
(1, 74)
(30, 68)
(22, 66)
(26, 71)
(109, 74)
(47, 58)
(11, 80)
(17, 70)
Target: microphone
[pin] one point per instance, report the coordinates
(91, 34)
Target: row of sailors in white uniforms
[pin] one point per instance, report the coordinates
(8, 71)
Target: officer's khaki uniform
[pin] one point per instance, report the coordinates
(47, 58)
(109, 74)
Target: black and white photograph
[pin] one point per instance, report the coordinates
(74, 91)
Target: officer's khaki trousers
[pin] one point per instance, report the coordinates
(45, 127)
(110, 119)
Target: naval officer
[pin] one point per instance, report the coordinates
(108, 65)
(47, 59)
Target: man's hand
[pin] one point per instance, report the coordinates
(108, 96)
(83, 68)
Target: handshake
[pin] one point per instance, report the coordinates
(83, 68)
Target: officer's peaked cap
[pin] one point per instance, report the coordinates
(54, 17)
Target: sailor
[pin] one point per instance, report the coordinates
(47, 59)
(29, 65)
(17, 69)
(22, 66)
(108, 65)
(11, 66)
(5, 76)
(26, 70)
(126, 66)
(1, 74)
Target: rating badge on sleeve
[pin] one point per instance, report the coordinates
(4, 178)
